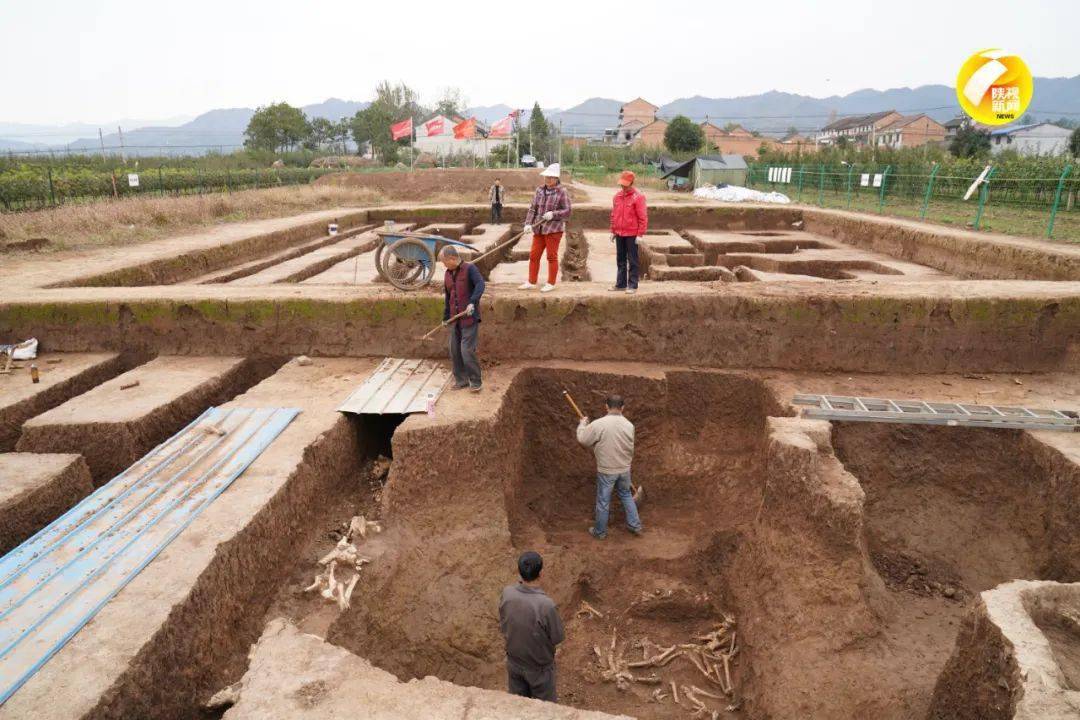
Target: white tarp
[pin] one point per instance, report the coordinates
(735, 193)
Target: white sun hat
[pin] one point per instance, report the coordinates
(551, 170)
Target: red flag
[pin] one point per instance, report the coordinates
(402, 129)
(435, 126)
(503, 127)
(465, 129)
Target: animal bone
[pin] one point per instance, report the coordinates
(331, 582)
(361, 526)
(674, 692)
(587, 610)
(706, 693)
(346, 594)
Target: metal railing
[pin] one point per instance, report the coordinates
(1033, 206)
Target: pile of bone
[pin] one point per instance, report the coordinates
(345, 557)
(711, 654)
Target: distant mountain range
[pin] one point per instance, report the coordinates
(218, 129)
(772, 112)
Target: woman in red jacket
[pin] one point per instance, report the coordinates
(629, 221)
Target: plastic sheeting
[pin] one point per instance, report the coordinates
(735, 193)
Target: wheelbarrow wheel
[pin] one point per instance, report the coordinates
(408, 264)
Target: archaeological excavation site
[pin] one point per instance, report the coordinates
(237, 479)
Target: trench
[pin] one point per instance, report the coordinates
(949, 513)
(430, 607)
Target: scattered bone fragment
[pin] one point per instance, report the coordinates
(361, 526)
(587, 610)
(303, 360)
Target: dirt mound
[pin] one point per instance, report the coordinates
(428, 183)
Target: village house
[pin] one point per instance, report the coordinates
(911, 131)
(794, 142)
(435, 136)
(857, 129)
(1037, 139)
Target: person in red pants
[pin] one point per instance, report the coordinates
(546, 220)
(629, 221)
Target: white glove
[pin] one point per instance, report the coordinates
(547, 216)
(612, 237)
(470, 309)
(528, 228)
(584, 421)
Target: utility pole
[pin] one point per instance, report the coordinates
(123, 157)
(559, 140)
(101, 139)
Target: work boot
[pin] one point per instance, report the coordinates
(460, 386)
(476, 388)
(631, 291)
(638, 532)
(615, 288)
(595, 534)
(526, 286)
(548, 287)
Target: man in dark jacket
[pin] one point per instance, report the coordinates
(463, 285)
(629, 221)
(530, 622)
(495, 195)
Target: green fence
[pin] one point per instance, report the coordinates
(36, 186)
(1035, 206)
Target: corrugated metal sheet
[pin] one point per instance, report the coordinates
(55, 582)
(398, 387)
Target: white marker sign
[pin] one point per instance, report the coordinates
(133, 180)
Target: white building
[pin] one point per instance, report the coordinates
(442, 142)
(1038, 139)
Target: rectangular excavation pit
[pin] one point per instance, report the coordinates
(313, 263)
(515, 479)
(35, 489)
(358, 269)
(948, 513)
(62, 377)
(181, 629)
(117, 422)
(254, 266)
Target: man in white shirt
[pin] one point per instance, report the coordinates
(612, 441)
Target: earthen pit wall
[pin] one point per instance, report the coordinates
(27, 513)
(13, 416)
(1056, 455)
(959, 253)
(201, 603)
(109, 448)
(178, 268)
(444, 506)
(801, 576)
(740, 327)
(1003, 666)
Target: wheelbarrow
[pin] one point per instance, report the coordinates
(407, 259)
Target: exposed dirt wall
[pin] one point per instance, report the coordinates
(24, 514)
(13, 416)
(203, 645)
(109, 448)
(186, 266)
(802, 579)
(959, 253)
(735, 327)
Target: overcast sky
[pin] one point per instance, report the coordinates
(97, 60)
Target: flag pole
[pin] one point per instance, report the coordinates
(412, 145)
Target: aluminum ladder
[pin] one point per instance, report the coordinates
(864, 409)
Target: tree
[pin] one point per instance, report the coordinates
(322, 131)
(392, 104)
(278, 127)
(1028, 119)
(683, 135)
(341, 131)
(970, 142)
(1074, 143)
(451, 104)
(535, 138)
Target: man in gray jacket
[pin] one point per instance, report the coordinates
(612, 440)
(530, 622)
